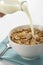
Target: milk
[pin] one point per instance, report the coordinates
(25, 9)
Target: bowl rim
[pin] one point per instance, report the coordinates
(21, 28)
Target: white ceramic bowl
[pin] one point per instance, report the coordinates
(26, 51)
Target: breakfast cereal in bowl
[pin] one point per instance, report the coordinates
(22, 41)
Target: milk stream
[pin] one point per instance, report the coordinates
(25, 9)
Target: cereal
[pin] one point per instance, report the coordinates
(24, 36)
(29, 35)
